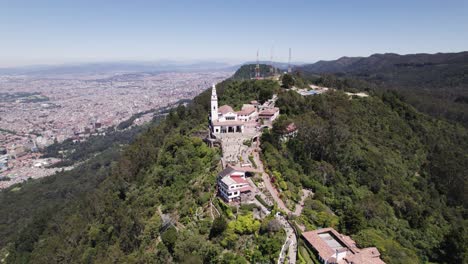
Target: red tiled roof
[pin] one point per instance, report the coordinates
(239, 179)
(291, 127)
(247, 111)
(353, 254)
(225, 109)
(269, 112)
(324, 251)
(366, 256)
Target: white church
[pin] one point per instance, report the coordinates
(225, 120)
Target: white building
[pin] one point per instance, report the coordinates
(232, 183)
(224, 119)
(269, 115)
(248, 113)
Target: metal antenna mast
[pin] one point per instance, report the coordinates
(257, 69)
(272, 69)
(289, 61)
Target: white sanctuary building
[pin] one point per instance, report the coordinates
(225, 120)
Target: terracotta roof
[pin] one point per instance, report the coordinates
(366, 256)
(225, 109)
(269, 112)
(291, 128)
(324, 251)
(327, 241)
(247, 111)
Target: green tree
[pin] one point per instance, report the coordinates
(218, 227)
(169, 237)
(287, 81)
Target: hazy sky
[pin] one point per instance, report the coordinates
(46, 31)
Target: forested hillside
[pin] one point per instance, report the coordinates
(394, 178)
(152, 205)
(247, 72)
(381, 171)
(436, 84)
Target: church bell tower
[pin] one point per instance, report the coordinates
(214, 104)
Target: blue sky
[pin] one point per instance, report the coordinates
(62, 31)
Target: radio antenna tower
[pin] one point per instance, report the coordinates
(289, 61)
(272, 68)
(257, 69)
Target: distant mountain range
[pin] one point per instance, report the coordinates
(436, 84)
(117, 67)
(129, 67)
(387, 61)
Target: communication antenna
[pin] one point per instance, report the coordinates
(257, 69)
(289, 61)
(272, 68)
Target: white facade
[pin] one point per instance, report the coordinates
(231, 183)
(214, 104)
(223, 119)
(248, 113)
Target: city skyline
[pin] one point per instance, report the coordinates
(58, 32)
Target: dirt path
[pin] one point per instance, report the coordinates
(300, 206)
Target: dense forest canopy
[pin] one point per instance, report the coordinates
(395, 177)
(436, 84)
(147, 206)
(380, 171)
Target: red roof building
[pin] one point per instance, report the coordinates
(232, 183)
(332, 247)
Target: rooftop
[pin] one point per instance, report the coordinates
(327, 242)
(238, 179)
(291, 128)
(247, 110)
(225, 109)
(269, 112)
(228, 181)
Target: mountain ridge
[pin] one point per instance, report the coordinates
(352, 64)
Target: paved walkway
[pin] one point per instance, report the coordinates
(233, 148)
(268, 185)
(290, 244)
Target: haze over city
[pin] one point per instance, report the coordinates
(57, 32)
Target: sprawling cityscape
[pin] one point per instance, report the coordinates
(38, 111)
